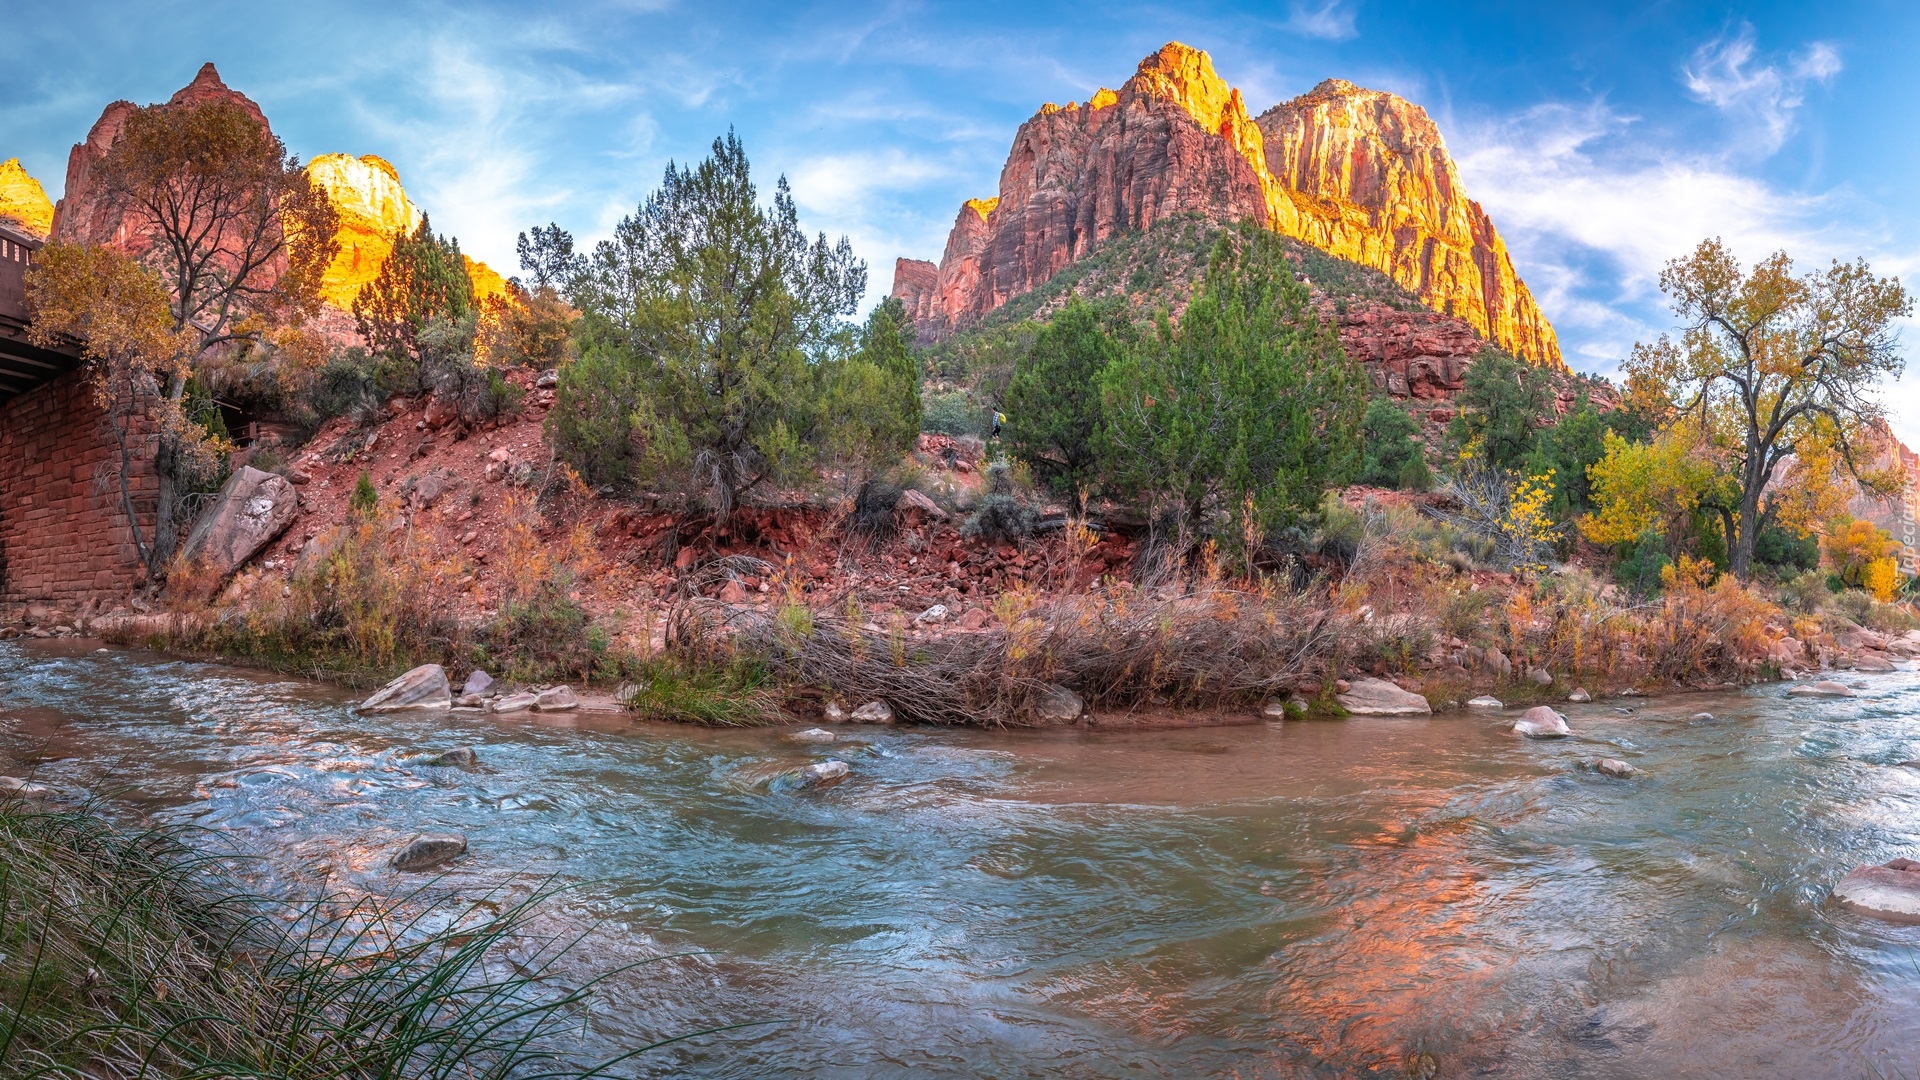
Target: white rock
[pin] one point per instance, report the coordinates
(556, 699)
(1485, 702)
(1702, 717)
(1823, 688)
(1579, 696)
(824, 773)
(935, 614)
(1539, 677)
(1378, 697)
(812, 735)
(1890, 891)
(1541, 722)
(873, 712)
(477, 683)
(12, 787)
(425, 687)
(519, 702)
(834, 713)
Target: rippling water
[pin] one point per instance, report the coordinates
(1367, 897)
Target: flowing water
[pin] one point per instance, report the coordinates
(1366, 897)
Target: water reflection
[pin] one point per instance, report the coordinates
(1291, 900)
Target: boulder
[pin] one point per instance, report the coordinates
(1873, 664)
(1889, 891)
(824, 773)
(935, 614)
(1378, 697)
(555, 699)
(873, 712)
(519, 702)
(12, 787)
(1703, 718)
(251, 509)
(1539, 677)
(1485, 702)
(460, 758)
(1614, 767)
(428, 850)
(1058, 705)
(477, 683)
(469, 701)
(1823, 688)
(912, 502)
(834, 713)
(548, 379)
(425, 687)
(812, 735)
(1579, 696)
(1541, 722)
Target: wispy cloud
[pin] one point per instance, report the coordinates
(1330, 20)
(1726, 74)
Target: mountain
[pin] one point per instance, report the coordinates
(365, 190)
(1358, 173)
(373, 206)
(23, 201)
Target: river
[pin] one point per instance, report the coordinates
(1304, 899)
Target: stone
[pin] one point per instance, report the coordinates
(1539, 677)
(459, 758)
(253, 508)
(1579, 696)
(1890, 891)
(555, 699)
(425, 687)
(12, 787)
(512, 703)
(478, 682)
(1873, 664)
(824, 773)
(975, 619)
(1484, 702)
(1277, 708)
(1058, 705)
(873, 712)
(915, 502)
(470, 701)
(1703, 718)
(1823, 688)
(1614, 767)
(834, 713)
(1541, 722)
(812, 735)
(548, 379)
(428, 850)
(1378, 697)
(1360, 173)
(935, 614)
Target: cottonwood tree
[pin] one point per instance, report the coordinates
(705, 324)
(237, 237)
(1249, 408)
(1771, 364)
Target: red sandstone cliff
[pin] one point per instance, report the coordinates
(1358, 173)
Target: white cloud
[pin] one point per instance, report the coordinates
(1331, 20)
(1724, 73)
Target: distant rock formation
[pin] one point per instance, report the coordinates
(23, 201)
(365, 190)
(1358, 173)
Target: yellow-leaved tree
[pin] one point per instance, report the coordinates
(1772, 364)
(1862, 555)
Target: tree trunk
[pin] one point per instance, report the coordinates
(1748, 531)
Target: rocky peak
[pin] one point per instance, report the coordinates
(1358, 173)
(23, 201)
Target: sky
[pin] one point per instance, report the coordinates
(1603, 139)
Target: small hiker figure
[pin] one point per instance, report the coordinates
(998, 419)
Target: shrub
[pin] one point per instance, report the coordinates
(1639, 570)
(1392, 457)
(1003, 514)
(954, 413)
(589, 424)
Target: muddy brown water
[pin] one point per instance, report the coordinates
(1318, 899)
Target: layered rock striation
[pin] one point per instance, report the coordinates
(1358, 173)
(23, 201)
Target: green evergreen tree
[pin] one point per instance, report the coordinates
(872, 395)
(1250, 406)
(717, 313)
(365, 499)
(1503, 401)
(1393, 456)
(1053, 402)
(424, 278)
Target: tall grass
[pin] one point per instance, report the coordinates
(127, 954)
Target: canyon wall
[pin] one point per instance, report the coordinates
(23, 201)
(1358, 173)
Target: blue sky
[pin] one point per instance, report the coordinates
(1603, 139)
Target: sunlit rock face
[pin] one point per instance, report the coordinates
(23, 201)
(373, 208)
(1359, 173)
(1369, 179)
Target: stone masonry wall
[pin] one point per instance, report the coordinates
(63, 538)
